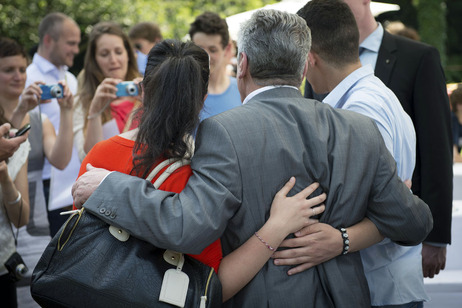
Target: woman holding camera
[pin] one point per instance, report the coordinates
(100, 113)
(14, 195)
(14, 209)
(18, 106)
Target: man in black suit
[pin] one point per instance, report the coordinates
(412, 70)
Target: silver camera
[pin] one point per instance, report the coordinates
(16, 267)
(127, 88)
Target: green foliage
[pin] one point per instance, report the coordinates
(432, 24)
(175, 16)
(19, 19)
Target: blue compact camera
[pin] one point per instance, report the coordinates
(52, 91)
(127, 88)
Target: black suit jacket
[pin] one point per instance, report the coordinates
(412, 70)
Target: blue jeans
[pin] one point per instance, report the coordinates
(408, 305)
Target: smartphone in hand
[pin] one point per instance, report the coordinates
(22, 130)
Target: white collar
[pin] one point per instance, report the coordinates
(260, 90)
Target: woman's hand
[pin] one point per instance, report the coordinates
(104, 94)
(30, 97)
(67, 101)
(139, 82)
(294, 213)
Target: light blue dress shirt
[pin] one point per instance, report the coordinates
(393, 272)
(369, 48)
(141, 61)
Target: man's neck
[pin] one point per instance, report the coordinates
(335, 76)
(219, 82)
(46, 56)
(9, 104)
(366, 27)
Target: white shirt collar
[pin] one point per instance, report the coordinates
(46, 66)
(260, 90)
(374, 40)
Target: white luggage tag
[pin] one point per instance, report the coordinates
(175, 285)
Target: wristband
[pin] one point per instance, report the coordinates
(15, 201)
(346, 241)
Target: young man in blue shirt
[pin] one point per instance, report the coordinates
(210, 32)
(393, 272)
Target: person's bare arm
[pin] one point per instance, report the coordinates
(58, 148)
(105, 93)
(15, 195)
(288, 215)
(321, 242)
(30, 98)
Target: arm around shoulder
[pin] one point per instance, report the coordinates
(397, 213)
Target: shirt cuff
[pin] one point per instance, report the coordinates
(436, 244)
(105, 177)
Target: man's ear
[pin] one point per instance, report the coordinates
(242, 65)
(312, 59)
(305, 69)
(47, 39)
(228, 47)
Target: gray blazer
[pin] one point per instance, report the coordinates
(243, 157)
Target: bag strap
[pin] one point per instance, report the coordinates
(175, 164)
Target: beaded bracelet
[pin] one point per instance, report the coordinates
(15, 201)
(266, 244)
(346, 241)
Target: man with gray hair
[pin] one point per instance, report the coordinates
(244, 155)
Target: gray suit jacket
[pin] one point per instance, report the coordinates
(243, 157)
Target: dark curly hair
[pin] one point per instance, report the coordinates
(175, 84)
(210, 23)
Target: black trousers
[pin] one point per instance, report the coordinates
(54, 218)
(8, 292)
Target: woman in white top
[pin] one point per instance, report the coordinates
(19, 108)
(14, 195)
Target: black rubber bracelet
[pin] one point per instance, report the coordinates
(346, 241)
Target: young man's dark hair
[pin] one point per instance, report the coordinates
(336, 40)
(210, 23)
(146, 30)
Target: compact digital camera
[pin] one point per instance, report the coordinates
(127, 88)
(16, 267)
(52, 91)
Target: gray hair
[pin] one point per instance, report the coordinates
(276, 44)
